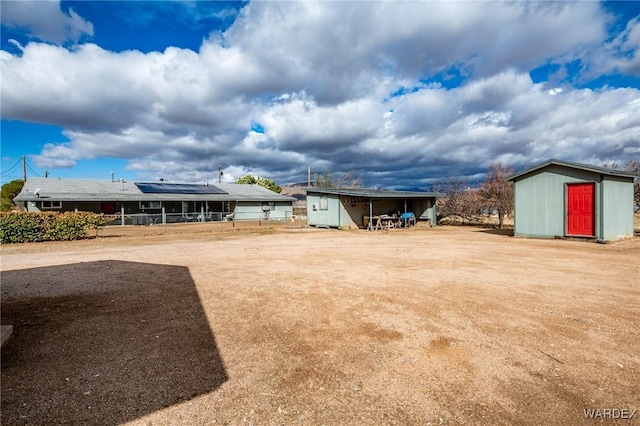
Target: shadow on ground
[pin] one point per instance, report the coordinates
(123, 340)
(495, 231)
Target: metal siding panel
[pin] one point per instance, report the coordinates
(312, 215)
(617, 209)
(328, 217)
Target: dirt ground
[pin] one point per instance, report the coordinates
(251, 325)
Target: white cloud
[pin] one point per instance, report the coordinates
(318, 77)
(623, 53)
(45, 20)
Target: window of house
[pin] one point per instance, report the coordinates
(324, 203)
(51, 204)
(150, 204)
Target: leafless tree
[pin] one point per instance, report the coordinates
(497, 192)
(347, 180)
(460, 200)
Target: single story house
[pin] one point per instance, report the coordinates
(143, 200)
(562, 199)
(349, 208)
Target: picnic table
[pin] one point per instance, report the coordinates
(383, 221)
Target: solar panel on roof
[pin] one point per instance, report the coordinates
(178, 188)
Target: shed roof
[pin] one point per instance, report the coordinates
(106, 190)
(577, 166)
(373, 193)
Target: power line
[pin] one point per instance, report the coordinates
(33, 171)
(12, 167)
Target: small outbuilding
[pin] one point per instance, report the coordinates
(562, 199)
(357, 208)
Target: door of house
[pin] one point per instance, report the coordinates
(580, 209)
(108, 208)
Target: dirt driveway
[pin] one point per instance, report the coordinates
(449, 325)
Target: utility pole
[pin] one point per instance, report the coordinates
(309, 176)
(220, 173)
(24, 168)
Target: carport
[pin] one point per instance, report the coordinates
(354, 208)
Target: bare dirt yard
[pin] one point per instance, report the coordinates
(212, 325)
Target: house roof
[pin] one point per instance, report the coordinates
(106, 190)
(373, 193)
(577, 166)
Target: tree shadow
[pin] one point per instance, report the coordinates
(103, 343)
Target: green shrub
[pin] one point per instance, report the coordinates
(20, 227)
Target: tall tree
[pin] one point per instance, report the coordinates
(269, 184)
(264, 182)
(347, 180)
(323, 180)
(497, 192)
(248, 180)
(9, 192)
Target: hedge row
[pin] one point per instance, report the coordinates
(20, 227)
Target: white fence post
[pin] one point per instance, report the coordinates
(164, 220)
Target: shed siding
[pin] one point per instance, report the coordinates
(425, 210)
(617, 210)
(325, 217)
(540, 208)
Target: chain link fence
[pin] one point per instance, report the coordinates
(297, 218)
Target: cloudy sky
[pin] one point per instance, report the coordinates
(402, 93)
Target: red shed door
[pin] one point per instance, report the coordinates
(580, 207)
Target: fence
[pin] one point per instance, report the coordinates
(167, 218)
(297, 218)
(223, 220)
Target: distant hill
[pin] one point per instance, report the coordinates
(295, 190)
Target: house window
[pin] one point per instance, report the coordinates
(324, 203)
(51, 204)
(150, 204)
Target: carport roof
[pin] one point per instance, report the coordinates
(373, 193)
(585, 167)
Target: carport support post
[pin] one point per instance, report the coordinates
(370, 215)
(405, 210)
(122, 215)
(164, 220)
(202, 214)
